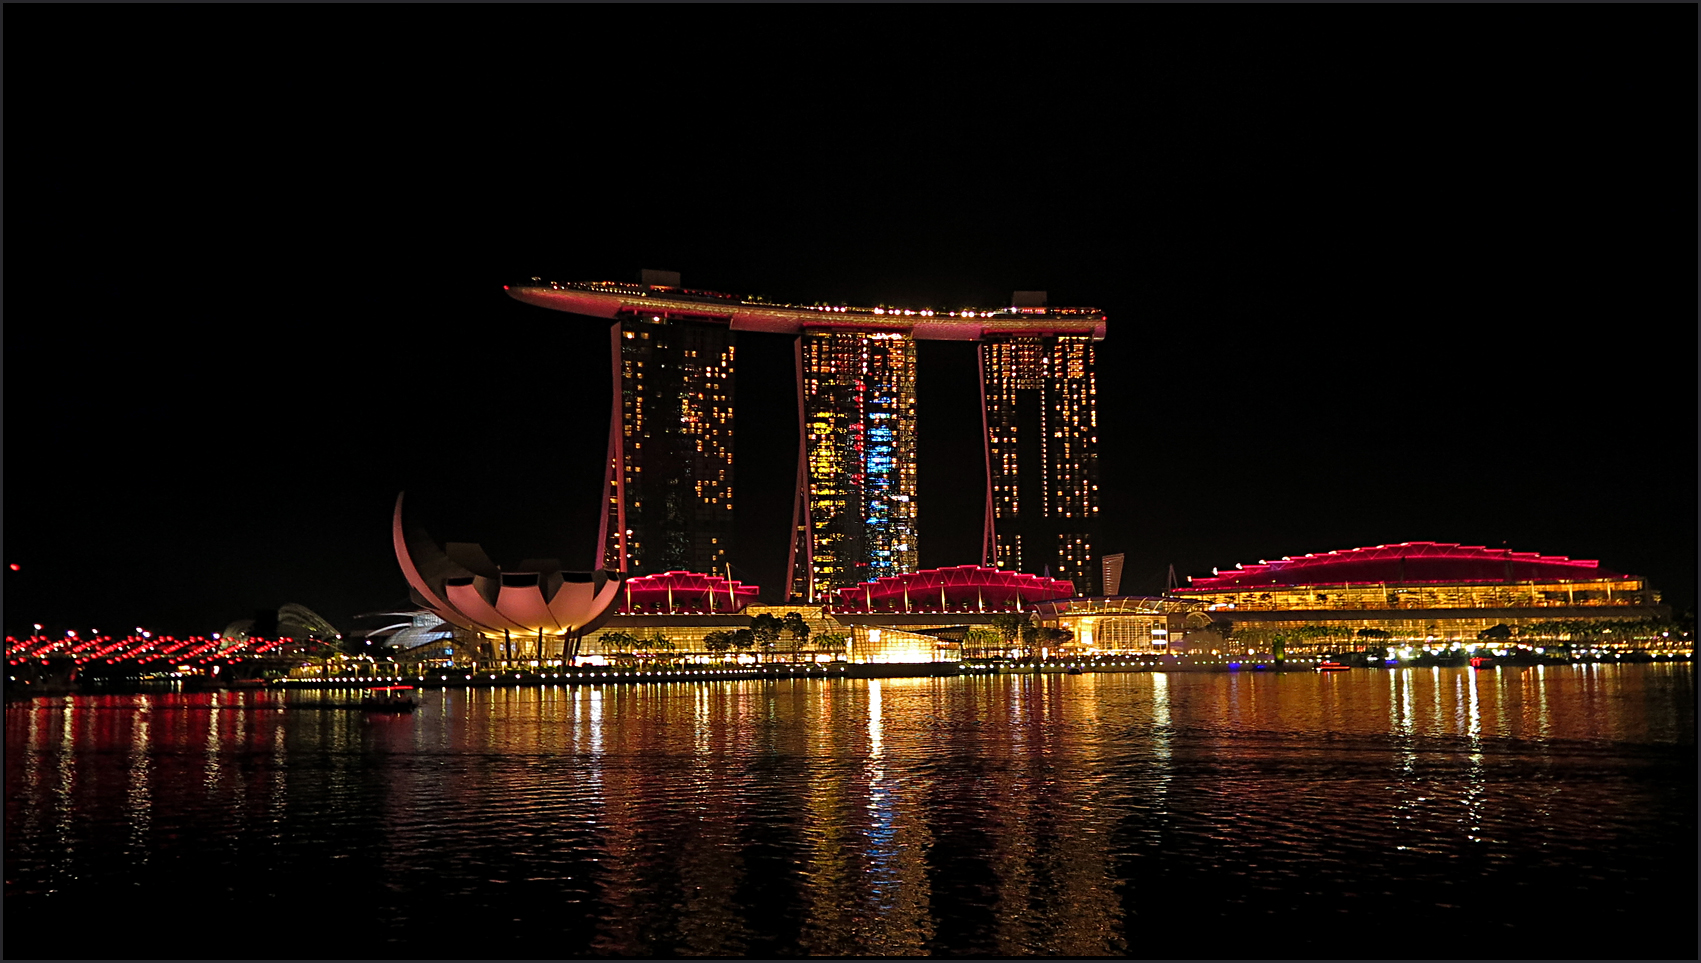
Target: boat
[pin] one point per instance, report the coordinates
(389, 698)
(1329, 665)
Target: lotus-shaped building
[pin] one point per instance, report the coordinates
(536, 610)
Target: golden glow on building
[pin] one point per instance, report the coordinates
(1126, 625)
(887, 644)
(1416, 592)
(859, 419)
(1629, 591)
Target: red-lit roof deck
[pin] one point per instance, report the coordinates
(610, 299)
(962, 588)
(684, 593)
(1404, 563)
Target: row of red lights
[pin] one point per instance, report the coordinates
(133, 647)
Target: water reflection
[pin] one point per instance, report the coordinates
(996, 816)
(138, 799)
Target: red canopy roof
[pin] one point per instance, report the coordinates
(684, 591)
(1406, 562)
(957, 588)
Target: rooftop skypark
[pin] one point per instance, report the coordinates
(606, 299)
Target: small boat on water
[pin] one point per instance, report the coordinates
(1329, 665)
(389, 698)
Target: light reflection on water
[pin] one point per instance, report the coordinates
(1140, 814)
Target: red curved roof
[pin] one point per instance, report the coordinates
(1406, 562)
(684, 592)
(957, 588)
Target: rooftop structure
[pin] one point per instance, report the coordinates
(1407, 562)
(685, 592)
(963, 588)
(611, 299)
(408, 630)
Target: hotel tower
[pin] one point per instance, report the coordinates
(854, 515)
(670, 504)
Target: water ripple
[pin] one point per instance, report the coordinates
(1134, 814)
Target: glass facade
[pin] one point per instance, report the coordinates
(676, 396)
(889, 644)
(859, 448)
(1124, 625)
(1381, 596)
(1042, 446)
(1431, 594)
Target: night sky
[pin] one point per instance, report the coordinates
(1373, 274)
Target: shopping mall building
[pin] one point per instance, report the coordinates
(1416, 593)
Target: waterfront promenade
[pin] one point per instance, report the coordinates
(503, 675)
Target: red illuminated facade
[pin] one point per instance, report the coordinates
(1405, 563)
(963, 588)
(684, 593)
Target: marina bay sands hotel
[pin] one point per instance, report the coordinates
(854, 515)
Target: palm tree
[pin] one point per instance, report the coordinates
(981, 638)
(618, 641)
(1010, 625)
(831, 642)
(657, 643)
(1031, 635)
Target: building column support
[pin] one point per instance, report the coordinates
(802, 533)
(988, 538)
(616, 460)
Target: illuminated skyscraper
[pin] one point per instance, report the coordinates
(676, 411)
(1042, 452)
(857, 498)
(854, 517)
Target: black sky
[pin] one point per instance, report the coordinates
(1373, 274)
